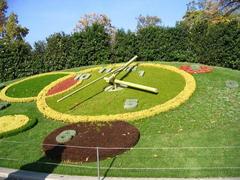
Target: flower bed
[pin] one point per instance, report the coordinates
(5, 97)
(196, 70)
(63, 86)
(12, 124)
(107, 135)
(170, 104)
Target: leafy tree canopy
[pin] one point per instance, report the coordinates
(146, 21)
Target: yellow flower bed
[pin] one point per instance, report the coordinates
(172, 103)
(4, 97)
(12, 122)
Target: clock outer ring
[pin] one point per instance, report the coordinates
(183, 96)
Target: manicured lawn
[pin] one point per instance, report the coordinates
(93, 100)
(31, 87)
(209, 119)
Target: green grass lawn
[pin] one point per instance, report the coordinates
(93, 100)
(210, 118)
(31, 87)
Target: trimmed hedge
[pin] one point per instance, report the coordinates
(212, 44)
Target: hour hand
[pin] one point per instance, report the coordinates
(133, 85)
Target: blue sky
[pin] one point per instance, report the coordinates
(44, 17)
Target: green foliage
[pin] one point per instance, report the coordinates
(14, 31)
(29, 125)
(91, 46)
(202, 42)
(216, 44)
(65, 136)
(4, 105)
(125, 46)
(38, 57)
(57, 52)
(168, 44)
(15, 59)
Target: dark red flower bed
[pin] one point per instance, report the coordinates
(62, 86)
(114, 138)
(202, 69)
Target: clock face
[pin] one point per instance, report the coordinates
(104, 101)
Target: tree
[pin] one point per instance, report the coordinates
(3, 10)
(89, 20)
(229, 6)
(14, 31)
(213, 11)
(38, 56)
(146, 21)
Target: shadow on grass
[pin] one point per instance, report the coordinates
(41, 165)
(109, 168)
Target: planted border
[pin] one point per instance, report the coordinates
(4, 97)
(170, 104)
(18, 126)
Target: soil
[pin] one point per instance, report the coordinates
(118, 136)
(62, 86)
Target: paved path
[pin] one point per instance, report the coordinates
(13, 174)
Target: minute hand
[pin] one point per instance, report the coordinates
(137, 86)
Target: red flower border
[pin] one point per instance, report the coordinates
(202, 69)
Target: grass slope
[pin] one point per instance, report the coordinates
(209, 119)
(31, 87)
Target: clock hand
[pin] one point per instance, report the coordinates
(133, 85)
(115, 72)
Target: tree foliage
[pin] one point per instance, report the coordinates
(147, 21)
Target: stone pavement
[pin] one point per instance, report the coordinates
(13, 174)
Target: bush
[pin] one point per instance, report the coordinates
(125, 46)
(204, 42)
(217, 44)
(89, 47)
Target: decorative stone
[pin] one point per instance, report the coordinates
(4, 105)
(130, 104)
(231, 84)
(108, 70)
(141, 73)
(195, 67)
(128, 69)
(77, 77)
(65, 136)
(113, 89)
(83, 76)
(102, 70)
(134, 68)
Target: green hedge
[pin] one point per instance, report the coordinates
(216, 44)
(212, 44)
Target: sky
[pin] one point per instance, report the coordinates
(45, 17)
